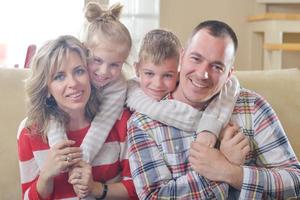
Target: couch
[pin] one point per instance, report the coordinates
(280, 87)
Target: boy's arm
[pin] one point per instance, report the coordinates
(169, 112)
(217, 114)
(111, 108)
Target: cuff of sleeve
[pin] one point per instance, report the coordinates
(252, 186)
(128, 184)
(211, 124)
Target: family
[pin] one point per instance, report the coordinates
(183, 128)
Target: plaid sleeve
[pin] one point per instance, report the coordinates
(152, 177)
(276, 174)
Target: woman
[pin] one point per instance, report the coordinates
(59, 89)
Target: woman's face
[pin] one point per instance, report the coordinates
(70, 85)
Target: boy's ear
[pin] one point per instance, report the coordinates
(136, 69)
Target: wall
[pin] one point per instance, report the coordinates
(181, 16)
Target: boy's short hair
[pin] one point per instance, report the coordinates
(159, 45)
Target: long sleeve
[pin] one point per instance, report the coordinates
(272, 171)
(111, 107)
(154, 179)
(218, 113)
(183, 116)
(126, 179)
(29, 170)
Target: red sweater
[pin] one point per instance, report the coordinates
(110, 165)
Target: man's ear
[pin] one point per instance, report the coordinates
(230, 73)
(182, 52)
(136, 69)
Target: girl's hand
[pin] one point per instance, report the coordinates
(81, 177)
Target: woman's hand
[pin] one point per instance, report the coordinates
(60, 157)
(81, 177)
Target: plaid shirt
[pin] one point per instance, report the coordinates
(158, 156)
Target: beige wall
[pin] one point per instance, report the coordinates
(181, 16)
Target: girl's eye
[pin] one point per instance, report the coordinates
(97, 61)
(115, 65)
(59, 77)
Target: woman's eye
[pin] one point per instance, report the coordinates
(59, 77)
(80, 71)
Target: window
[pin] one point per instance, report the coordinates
(139, 16)
(34, 22)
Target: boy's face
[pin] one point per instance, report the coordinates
(158, 80)
(106, 64)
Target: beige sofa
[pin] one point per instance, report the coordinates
(281, 88)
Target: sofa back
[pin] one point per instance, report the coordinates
(280, 87)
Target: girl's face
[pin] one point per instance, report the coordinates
(106, 64)
(70, 85)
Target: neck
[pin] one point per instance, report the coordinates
(78, 121)
(179, 96)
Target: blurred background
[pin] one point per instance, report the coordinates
(258, 24)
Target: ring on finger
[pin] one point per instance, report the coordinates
(68, 159)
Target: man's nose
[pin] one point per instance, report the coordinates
(203, 70)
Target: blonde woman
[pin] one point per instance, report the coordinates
(59, 88)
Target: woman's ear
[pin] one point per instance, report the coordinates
(136, 69)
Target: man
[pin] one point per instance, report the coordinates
(167, 163)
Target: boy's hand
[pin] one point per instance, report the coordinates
(206, 138)
(234, 144)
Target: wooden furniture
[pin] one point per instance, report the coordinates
(273, 26)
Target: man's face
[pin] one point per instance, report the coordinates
(206, 65)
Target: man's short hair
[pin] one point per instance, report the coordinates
(217, 29)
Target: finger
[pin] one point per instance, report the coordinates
(246, 150)
(229, 131)
(243, 143)
(64, 144)
(238, 138)
(70, 150)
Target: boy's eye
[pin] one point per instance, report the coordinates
(59, 77)
(149, 73)
(168, 75)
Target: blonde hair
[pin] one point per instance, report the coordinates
(104, 26)
(47, 60)
(159, 45)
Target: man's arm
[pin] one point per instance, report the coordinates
(271, 171)
(276, 174)
(153, 178)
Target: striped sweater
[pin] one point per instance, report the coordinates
(110, 164)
